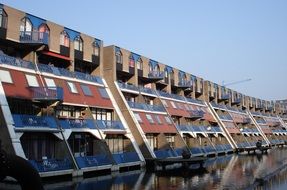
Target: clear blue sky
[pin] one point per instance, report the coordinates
(222, 40)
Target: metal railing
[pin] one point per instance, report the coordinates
(126, 157)
(156, 75)
(5, 59)
(22, 121)
(47, 93)
(34, 37)
(53, 164)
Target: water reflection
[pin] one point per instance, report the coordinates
(226, 172)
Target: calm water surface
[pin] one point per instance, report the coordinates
(227, 172)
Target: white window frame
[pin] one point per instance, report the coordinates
(72, 87)
(149, 118)
(32, 80)
(5, 76)
(50, 83)
(138, 117)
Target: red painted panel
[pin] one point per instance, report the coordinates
(19, 88)
(177, 111)
(80, 98)
(155, 127)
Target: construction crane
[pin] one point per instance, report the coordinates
(236, 82)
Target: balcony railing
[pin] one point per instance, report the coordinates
(23, 121)
(77, 123)
(237, 100)
(47, 93)
(225, 96)
(196, 114)
(225, 117)
(191, 100)
(126, 157)
(147, 107)
(5, 59)
(128, 86)
(110, 125)
(53, 164)
(156, 75)
(165, 153)
(91, 161)
(218, 106)
(34, 37)
(148, 90)
(185, 84)
(67, 73)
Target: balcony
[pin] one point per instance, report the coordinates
(196, 114)
(47, 93)
(7, 60)
(77, 123)
(237, 100)
(92, 161)
(165, 153)
(146, 107)
(34, 37)
(157, 75)
(52, 164)
(191, 100)
(148, 90)
(185, 84)
(31, 121)
(225, 96)
(126, 157)
(79, 55)
(110, 125)
(128, 86)
(218, 106)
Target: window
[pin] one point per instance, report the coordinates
(43, 29)
(131, 61)
(157, 118)
(149, 118)
(140, 64)
(138, 117)
(72, 87)
(102, 114)
(115, 143)
(150, 68)
(26, 27)
(119, 57)
(166, 74)
(50, 82)
(64, 39)
(3, 18)
(5, 76)
(167, 119)
(170, 140)
(32, 81)
(86, 90)
(78, 43)
(156, 68)
(96, 49)
(103, 92)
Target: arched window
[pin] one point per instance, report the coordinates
(78, 43)
(131, 61)
(150, 68)
(64, 39)
(3, 19)
(166, 73)
(44, 31)
(140, 64)
(119, 57)
(96, 49)
(26, 27)
(156, 68)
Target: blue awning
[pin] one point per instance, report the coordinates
(117, 49)
(98, 42)
(36, 21)
(72, 33)
(153, 63)
(168, 69)
(135, 56)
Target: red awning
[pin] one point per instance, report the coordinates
(56, 55)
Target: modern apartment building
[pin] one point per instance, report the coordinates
(71, 106)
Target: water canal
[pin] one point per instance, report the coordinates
(242, 171)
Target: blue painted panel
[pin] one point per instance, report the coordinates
(136, 56)
(168, 69)
(98, 42)
(72, 33)
(153, 63)
(36, 21)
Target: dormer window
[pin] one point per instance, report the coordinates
(78, 43)
(64, 39)
(26, 27)
(131, 61)
(140, 64)
(96, 49)
(119, 57)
